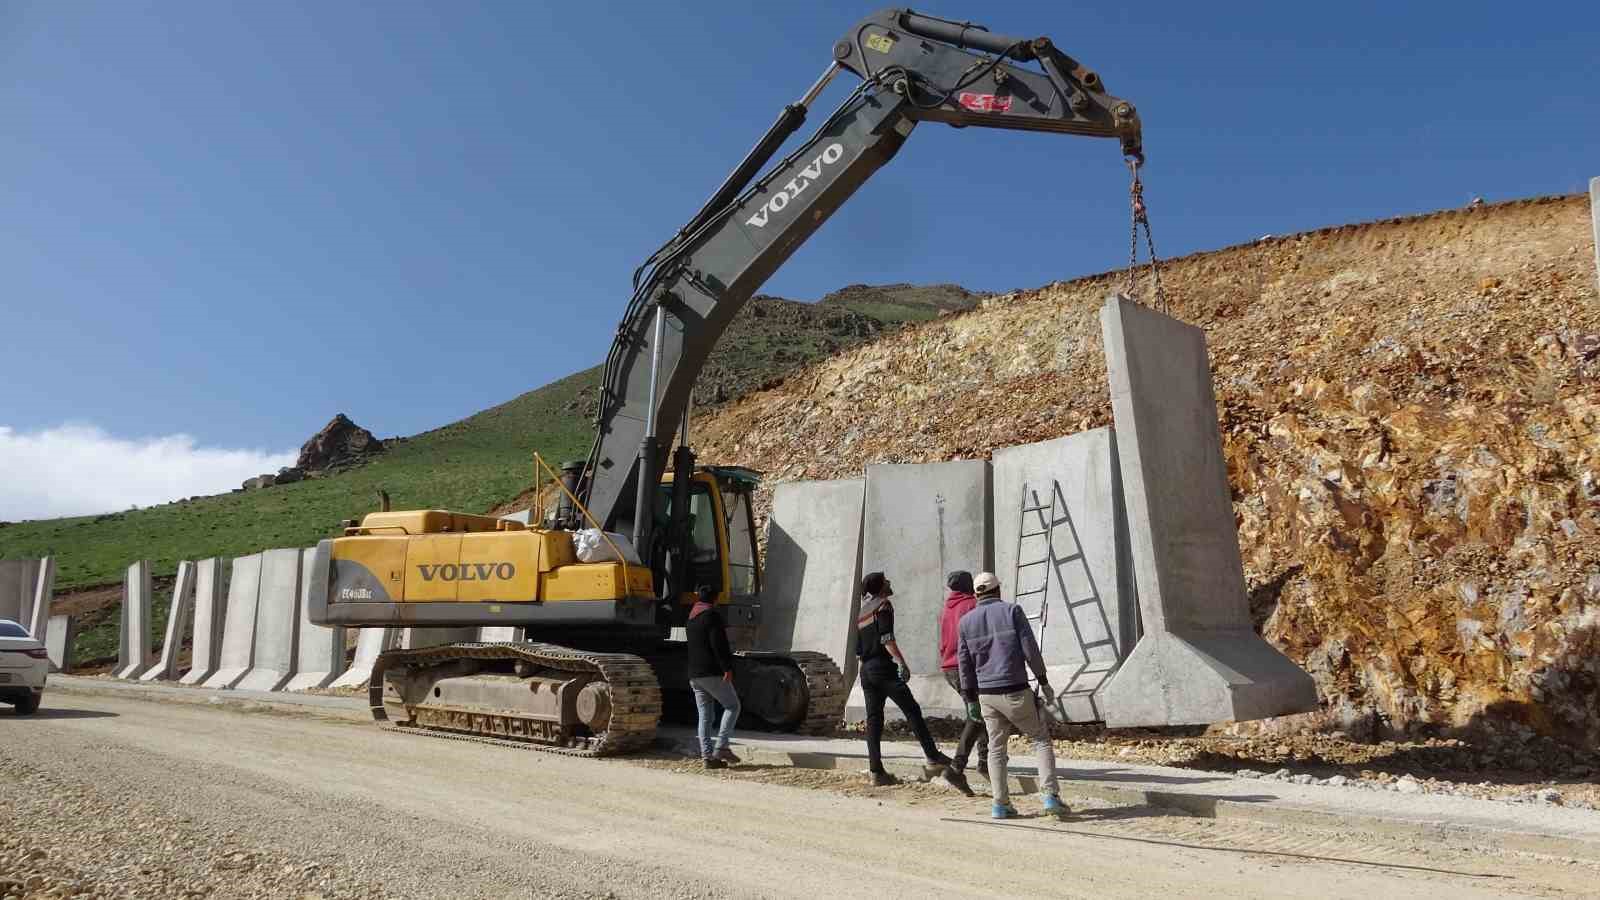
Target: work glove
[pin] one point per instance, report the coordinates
(905, 673)
(974, 711)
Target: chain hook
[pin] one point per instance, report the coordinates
(1139, 214)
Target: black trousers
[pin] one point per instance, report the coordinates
(880, 683)
(973, 734)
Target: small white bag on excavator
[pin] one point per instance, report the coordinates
(592, 547)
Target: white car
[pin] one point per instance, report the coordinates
(23, 667)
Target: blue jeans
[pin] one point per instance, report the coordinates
(710, 691)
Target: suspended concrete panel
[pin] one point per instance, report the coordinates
(369, 643)
(810, 586)
(1199, 660)
(319, 655)
(134, 655)
(37, 617)
(921, 522)
(209, 611)
(179, 615)
(237, 652)
(277, 620)
(1057, 518)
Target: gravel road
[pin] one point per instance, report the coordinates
(118, 797)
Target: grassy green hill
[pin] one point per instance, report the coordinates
(472, 465)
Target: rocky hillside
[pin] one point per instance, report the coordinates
(1411, 417)
(904, 302)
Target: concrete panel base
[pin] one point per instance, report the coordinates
(277, 620)
(44, 591)
(1057, 515)
(134, 654)
(237, 652)
(501, 634)
(209, 614)
(17, 579)
(369, 644)
(179, 615)
(1200, 660)
(319, 654)
(920, 523)
(59, 634)
(810, 588)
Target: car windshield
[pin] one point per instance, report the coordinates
(12, 629)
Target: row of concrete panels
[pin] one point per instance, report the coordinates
(1119, 543)
(247, 628)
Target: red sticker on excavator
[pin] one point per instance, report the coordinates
(986, 102)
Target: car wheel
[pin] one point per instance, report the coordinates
(29, 705)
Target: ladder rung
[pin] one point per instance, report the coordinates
(1077, 603)
(1031, 534)
(1037, 508)
(1026, 593)
(1037, 562)
(1105, 643)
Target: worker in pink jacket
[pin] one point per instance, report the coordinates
(958, 603)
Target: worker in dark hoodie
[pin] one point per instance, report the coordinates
(884, 673)
(711, 677)
(958, 603)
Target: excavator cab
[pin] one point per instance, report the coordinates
(721, 539)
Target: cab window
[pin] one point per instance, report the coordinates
(742, 569)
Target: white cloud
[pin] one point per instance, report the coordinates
(76, 469)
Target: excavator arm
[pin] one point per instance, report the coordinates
(913, 68)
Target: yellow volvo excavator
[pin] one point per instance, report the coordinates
(590, 679)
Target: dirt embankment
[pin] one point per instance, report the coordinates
(1411, 417)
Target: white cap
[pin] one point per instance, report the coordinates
(985, 583)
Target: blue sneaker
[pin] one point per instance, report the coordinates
(1054, 807)
(1003, 811)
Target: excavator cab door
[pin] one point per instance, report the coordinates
(722, 539)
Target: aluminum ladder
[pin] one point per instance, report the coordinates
(1099, 655)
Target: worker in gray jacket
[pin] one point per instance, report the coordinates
(995, 652)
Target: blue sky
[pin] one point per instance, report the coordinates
(229, 221)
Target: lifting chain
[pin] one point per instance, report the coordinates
(1141, 216)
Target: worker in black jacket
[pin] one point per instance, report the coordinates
(711, 677)
(884, 673)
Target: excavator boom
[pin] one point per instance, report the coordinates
(913, 68)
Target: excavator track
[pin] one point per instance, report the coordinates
(826, 691)
(634, 695)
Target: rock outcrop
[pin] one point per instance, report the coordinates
(1410, 412)
(340, 444)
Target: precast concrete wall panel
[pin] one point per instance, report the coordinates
(1594, 214)
(59, 634)
(44, 589)
(209, 614)
(811, 584)
(277, 621)
(179, 615)
(369, 644)
(921, 522)
(1199, 660)
(319, 657)
(237, 652)
(134, 655)
(17, 577)
(1057, 517)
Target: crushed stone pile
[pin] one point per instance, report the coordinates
(1410, 413)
